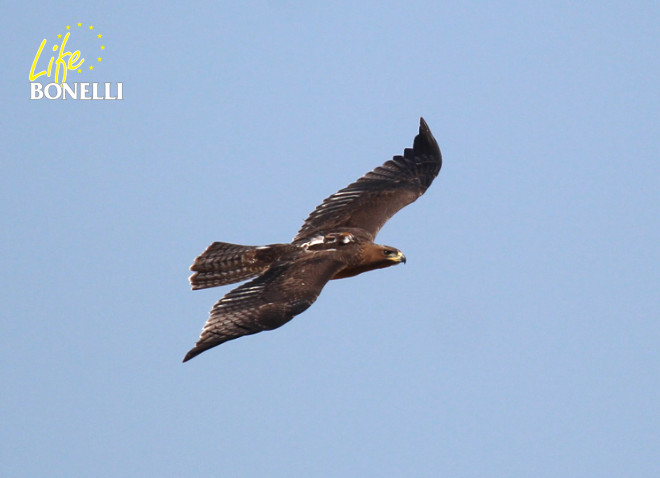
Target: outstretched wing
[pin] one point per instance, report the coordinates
(267, 302)
(374, 198)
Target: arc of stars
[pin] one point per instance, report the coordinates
(91, 27)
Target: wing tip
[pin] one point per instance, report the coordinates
(198, 349)
(192, 353)
(425, 142)
(201, 346)
(423, 127)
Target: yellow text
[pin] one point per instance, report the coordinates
(60, 65)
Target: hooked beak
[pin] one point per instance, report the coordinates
(400, 257)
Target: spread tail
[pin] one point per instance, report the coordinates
(223, 263)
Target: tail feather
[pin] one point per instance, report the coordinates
(224, 263)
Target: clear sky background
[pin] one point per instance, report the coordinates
(520, 339)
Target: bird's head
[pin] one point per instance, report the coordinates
(392, 255)
(377, 256)
(372, 256)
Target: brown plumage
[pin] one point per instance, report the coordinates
(335, 241)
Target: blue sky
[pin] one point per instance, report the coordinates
(520, 339)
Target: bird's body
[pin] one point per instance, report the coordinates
(336, 241)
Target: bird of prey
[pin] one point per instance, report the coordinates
(335, 241)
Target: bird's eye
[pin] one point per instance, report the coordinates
(388, 252)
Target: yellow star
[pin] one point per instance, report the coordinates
(79, 24)
(100, 35)
(59, 36)
(91, 67)
(99, 58)
(67, 27)
(79, 70)
(91, 27)
(102, 47)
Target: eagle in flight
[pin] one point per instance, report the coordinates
(336, 241)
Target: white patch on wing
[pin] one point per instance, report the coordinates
(313, 241)
(342, 237)
(346, 238)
